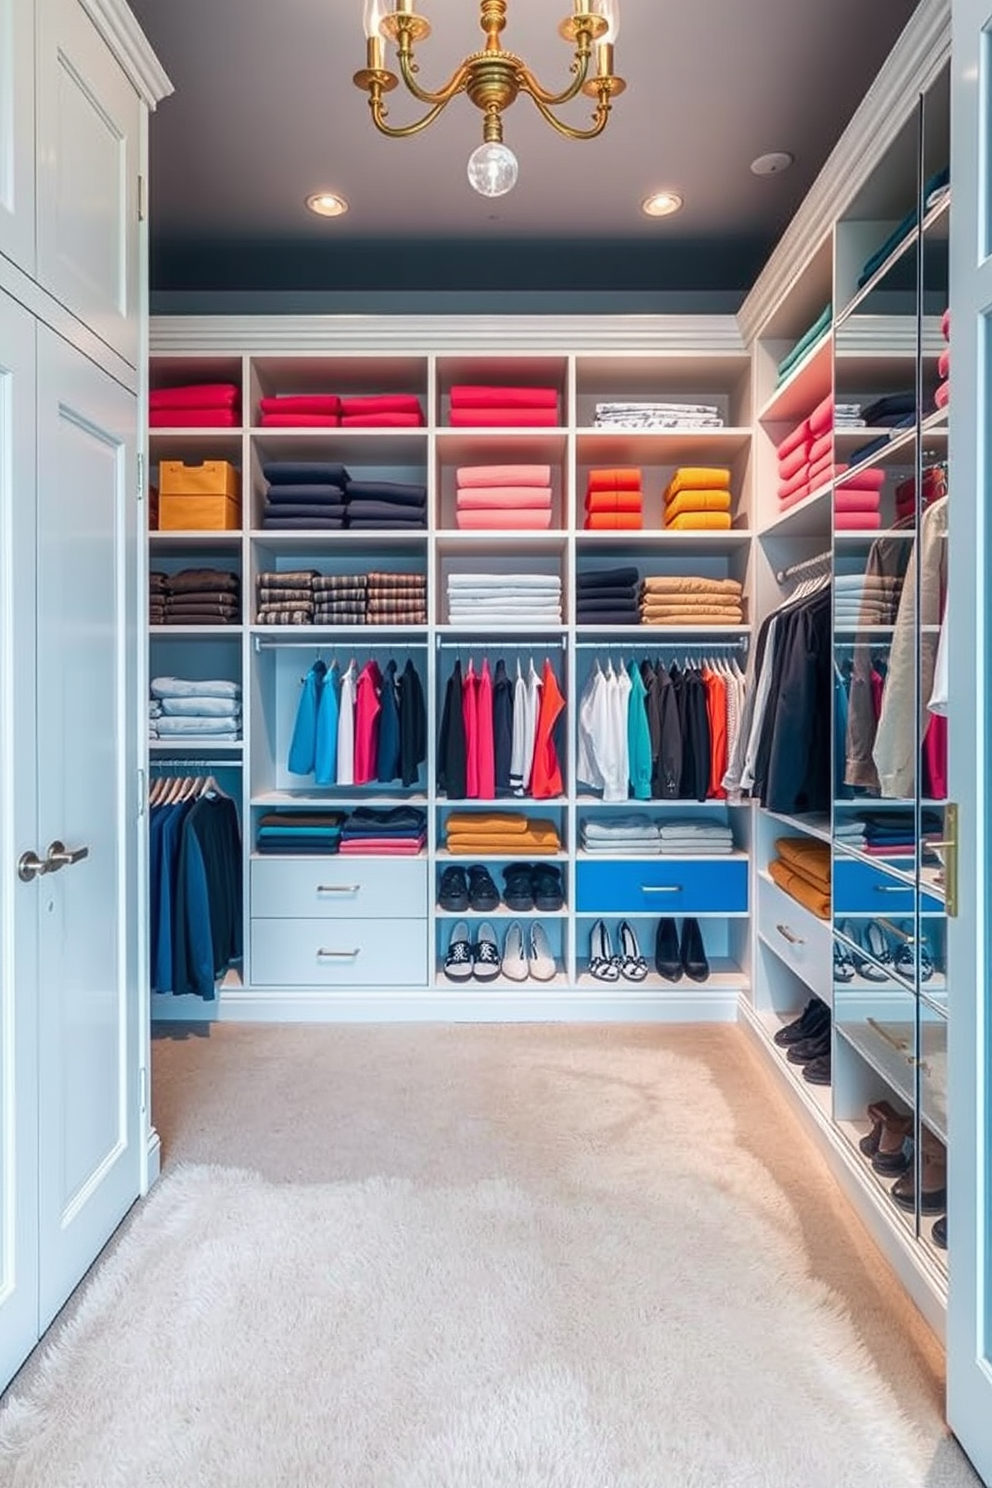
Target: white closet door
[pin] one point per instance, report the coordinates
(88, 983)
(18, 901)
(17, 132)
(88, 119)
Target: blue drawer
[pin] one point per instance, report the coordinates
(669, 887)
(862, 889)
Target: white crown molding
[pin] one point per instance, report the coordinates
(498, 335)
(131, 47)
(915, 60)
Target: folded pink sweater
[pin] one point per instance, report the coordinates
(510, 417)
(381, 403)
(195, 395)
(503, 518)
(799, 435)
(383, 420)
(793, 462)
(847, 500)
(193, 418)
(799, 494)
(300, 420)
(872, 479)
(821, 448)
(512, 498)
(797, 482)
(860, 521)
(503, 475)
(822, 417)
(472, 395)
(302, 403)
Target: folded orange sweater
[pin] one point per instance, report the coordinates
(689, 584)
(613, 501)
(610, 521)
(710, 521)
(697, 501)
(621, 479)
(697, 478)
(800, 888)
(535, 840)
(487, 822)
(808, 857)
(683, 620)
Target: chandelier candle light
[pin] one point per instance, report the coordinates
(492, 78)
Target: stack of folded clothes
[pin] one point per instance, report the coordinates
(504, 599)
(300, 411)
(893, 412)
(686, 601)
(202, 405)
(500, 834)
(620, 836)
(866, 599)
(805, 344)
(382, 411)
(304, 494)
(933, 190)
(802, 870)
(376, 505)
(396, 599)
(892, 834)
(793, 465)
(508, 497)
(504, 407)
(182, 710)
(156, 597)
(202, 596)
(850, 832)
(340, 599)
(661, 415)
(614, 500)
(697, 498)
(694, 838)
(848, 416)
(942, 396)
(858, 499)
(400, 831)
(299, 832)
(607, 596)
(286, 598)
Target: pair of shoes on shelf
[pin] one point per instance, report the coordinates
(606, 966)
(889, 1144)
(467, 959)
(933, 1178)
(473, 888)
(813, 1019)
(528, 956)
(675, 957)
(528, 886)
(874, 954)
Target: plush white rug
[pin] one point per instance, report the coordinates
(387, 1334)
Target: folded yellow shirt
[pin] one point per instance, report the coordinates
(709, 499)
(683, 620)
(697, 478)
(697, 521)
(481, 846)
(689, 584)
(486, 822)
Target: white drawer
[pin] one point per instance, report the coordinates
(338, 888)
(366, 953)
(797, 937)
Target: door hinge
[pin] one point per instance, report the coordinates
(141, 198)
(144, 1088)
(950, 858)
(141, 476)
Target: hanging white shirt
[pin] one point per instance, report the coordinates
(346, 727)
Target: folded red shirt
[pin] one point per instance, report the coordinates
(506, 418)
(383, 420)
(195, 395)
(622, 478)
(302, 403)
(382, 403)
(300, 420)
(192, 418)
(470, 395)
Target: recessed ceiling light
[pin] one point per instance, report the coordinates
(661, 204)
(772, 164)
(327, 204)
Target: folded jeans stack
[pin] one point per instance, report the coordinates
(201, 405)
(802, 870)
(156, 597)
(340, 599)
(614, 500)
(304, 494)
(399, 831)
(509, 498)
(620, 836)
(686, 601)
(202, 596)
(504, 599)
(657, 415)
(500, 834)
(503, 407)
(184, 708)
(397, 598)
(608, 596)
(382, 411)
(302, 833)
(386, 505)
(286, 598)
(300, 410)
(695, 838)
(697, 498)
(866, 599)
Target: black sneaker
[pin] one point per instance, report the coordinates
(810, 1048)
(811, 1021)
(518, 892)
(546, 883)
(483, 895)
(453, 890)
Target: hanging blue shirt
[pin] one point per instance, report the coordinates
(303, 746)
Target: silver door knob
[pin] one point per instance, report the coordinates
(60, 856)
(30, 866)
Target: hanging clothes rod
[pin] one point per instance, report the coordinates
(335, 643)
(506, 642)
(806, 566)
(195, 762)
(665, 643)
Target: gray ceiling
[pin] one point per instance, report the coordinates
(265, 112)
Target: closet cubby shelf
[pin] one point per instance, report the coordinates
(724, 976)
(815, 825)
(806, 384)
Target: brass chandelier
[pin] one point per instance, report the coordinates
(492, 78)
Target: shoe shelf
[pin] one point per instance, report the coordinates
(471, 985)
(819, 1097)
(888, 1047)
(880, 1183)
(724, 976)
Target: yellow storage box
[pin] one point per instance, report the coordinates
(211, 478)
(199, 498)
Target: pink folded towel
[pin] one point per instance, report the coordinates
(503, 475)
(848, 500)
(472, 395)
(800, 481)
(504, 418)
(503, 518)
(382, 403)
(302, 403)
(300, 421)
(194, 418)
(793, 462)
(799, 494)
(822, 446)
(942, 395)
(861, 521)
(821, 473)
(800, 435)
(822, 417)
(383, 420)
(512, 498)
(195, 395)
(872, 479)
(944, 364)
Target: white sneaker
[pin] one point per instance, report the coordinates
(514, 965)
(539, 958)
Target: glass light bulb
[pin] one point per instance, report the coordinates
(372, 18)
(492, 170)
(610, 11)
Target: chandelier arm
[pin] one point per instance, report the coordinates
(529, 83)
(454, 85)
(404, 131)
(600, 120)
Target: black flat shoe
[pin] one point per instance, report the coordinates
(453, 890)
(483, 895)
(667, 958)
(518, 892)
(817, 1072)
(691, 952)
(546, 884)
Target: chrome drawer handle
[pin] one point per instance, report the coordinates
(661, 888)
(323, 955)
(338, 888)
(893, 888)
(787, 934)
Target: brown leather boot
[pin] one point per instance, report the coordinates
(933, 1178)
(894, 1152)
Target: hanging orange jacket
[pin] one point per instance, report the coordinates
(546, 772)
